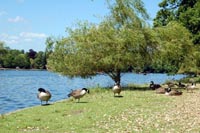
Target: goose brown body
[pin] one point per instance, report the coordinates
(116, 89)
(174, 93)
(160, 90)
(43, 95)
(181, 85)
(79, 93)
(154, 86)
(190, 87)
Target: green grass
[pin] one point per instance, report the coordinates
(138, 110)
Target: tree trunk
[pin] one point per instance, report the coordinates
(116, 76)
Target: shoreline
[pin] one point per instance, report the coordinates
(18, 110)
(44, 70)
(52, 103)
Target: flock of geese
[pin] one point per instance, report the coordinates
(45, 95)
(167, 88)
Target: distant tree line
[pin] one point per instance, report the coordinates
(12, 58)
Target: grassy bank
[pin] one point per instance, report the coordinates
(137, 110)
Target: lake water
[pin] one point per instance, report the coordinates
(18, 89)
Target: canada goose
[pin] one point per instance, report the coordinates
(154, 86)
(162, 90)
(167, 90)
(173, 92)
(79, 93)
(43, 95)
(190, 87)
(116, 89)
(181, 85)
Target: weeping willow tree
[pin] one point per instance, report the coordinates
(122, 39)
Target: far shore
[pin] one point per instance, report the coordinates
(22, 69)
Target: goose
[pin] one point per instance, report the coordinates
(116, 89)
(181, 85)
(79, 93)
(161, 90)
(190, 87)
(171, 92)
(43, 95)
(154, 86)
(167, 90)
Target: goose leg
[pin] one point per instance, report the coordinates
(78, 100)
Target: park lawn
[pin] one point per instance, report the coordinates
(99, 111)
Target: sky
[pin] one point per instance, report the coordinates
(25, 24)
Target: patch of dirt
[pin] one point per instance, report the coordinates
(76, 112)
(186, 112)
(183, 116)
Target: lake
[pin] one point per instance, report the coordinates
(18, 88)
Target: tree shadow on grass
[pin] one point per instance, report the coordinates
(136, 88)
(124, 88)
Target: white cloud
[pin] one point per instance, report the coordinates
(24, 40)
(23, 37)
(16, 19)
(3, 13)
(9, 39)
(32, 35)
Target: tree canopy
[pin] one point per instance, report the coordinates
(110, 47)
(175, 48)
(186, 12)
(122, 40)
